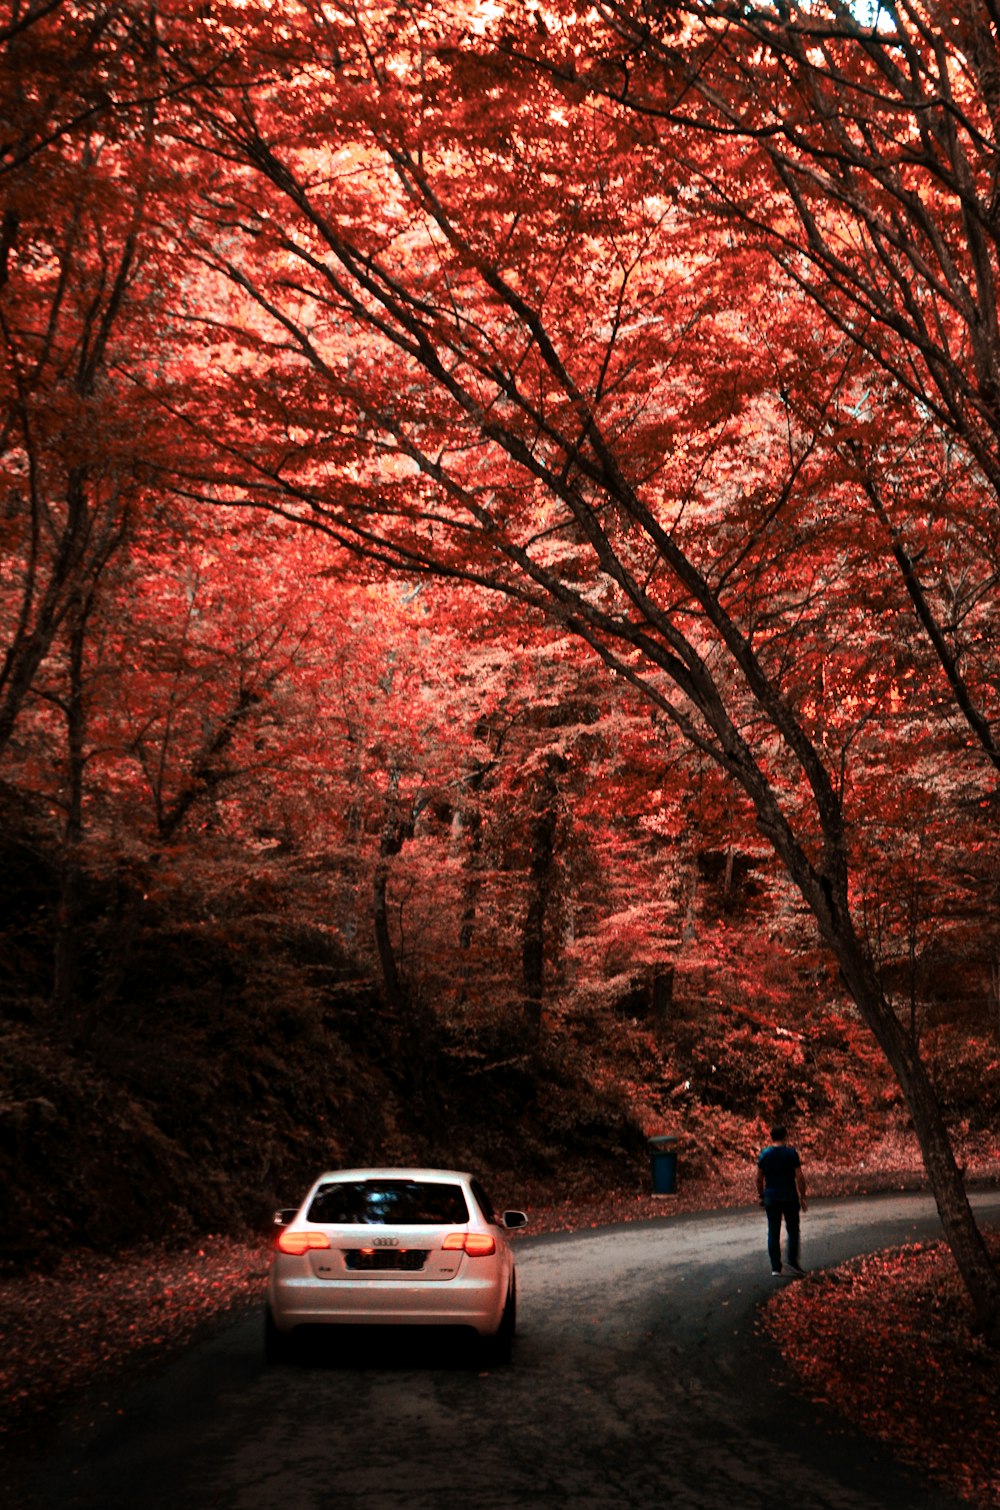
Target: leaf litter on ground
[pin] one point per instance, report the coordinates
(887, 1342)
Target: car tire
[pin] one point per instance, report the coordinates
(277, 1345)
(499, 1347)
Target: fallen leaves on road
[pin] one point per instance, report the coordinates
(85, 1321)
(887, 1342)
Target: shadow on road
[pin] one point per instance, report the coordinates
(377, 1349)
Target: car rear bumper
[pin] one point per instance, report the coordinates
(303, 1300)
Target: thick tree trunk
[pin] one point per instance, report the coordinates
(826, 891)
(979, 1273)
(40, 621)
(392, 980)
(947, 1182)
(123, 931)
(662, 995)
(410, 1024)
(66, 952)
(542, 841)
(471, 888)
(65, 1006)
(397, 828)
(533, 957)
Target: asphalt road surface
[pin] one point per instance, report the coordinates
(638, 1380)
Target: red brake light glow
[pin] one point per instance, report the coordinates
(476, 1244)
(301, 1242)
(479, 1244)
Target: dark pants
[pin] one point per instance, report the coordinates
(775, 1210)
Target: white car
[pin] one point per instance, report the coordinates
(408, 1247)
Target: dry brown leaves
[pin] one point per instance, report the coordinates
(84, 1322)
(887, 1342)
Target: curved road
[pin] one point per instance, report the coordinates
(638, 1381)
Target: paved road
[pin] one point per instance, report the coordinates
(638, 1381)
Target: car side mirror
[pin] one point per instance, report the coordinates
(285, 1215)
(514, 1219)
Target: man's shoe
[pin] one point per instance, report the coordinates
(776, 1273)
(794, 1269)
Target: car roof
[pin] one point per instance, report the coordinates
(395, 1173)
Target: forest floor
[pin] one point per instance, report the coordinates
(91, 1321)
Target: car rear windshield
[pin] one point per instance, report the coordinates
(380, 1203)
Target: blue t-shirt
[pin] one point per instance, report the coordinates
(779, 1163)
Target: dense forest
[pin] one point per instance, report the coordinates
(499, 594)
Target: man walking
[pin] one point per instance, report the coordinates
(781, 1187)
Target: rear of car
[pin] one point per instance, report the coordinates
(382, 1247)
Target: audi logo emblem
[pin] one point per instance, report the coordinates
(386, 1242)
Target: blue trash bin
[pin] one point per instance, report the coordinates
(663, 1165)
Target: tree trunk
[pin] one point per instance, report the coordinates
(948, 1185)
(65, 956)
(126, 918)
(411, 1027)
(66, 952)
(662, 1001)
(826, 892)
(392, 980)
(964, 1238)
(396, 830)
(542, 840)
(471, 888)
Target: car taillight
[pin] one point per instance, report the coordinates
(301, 1242)
(476, 1244)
